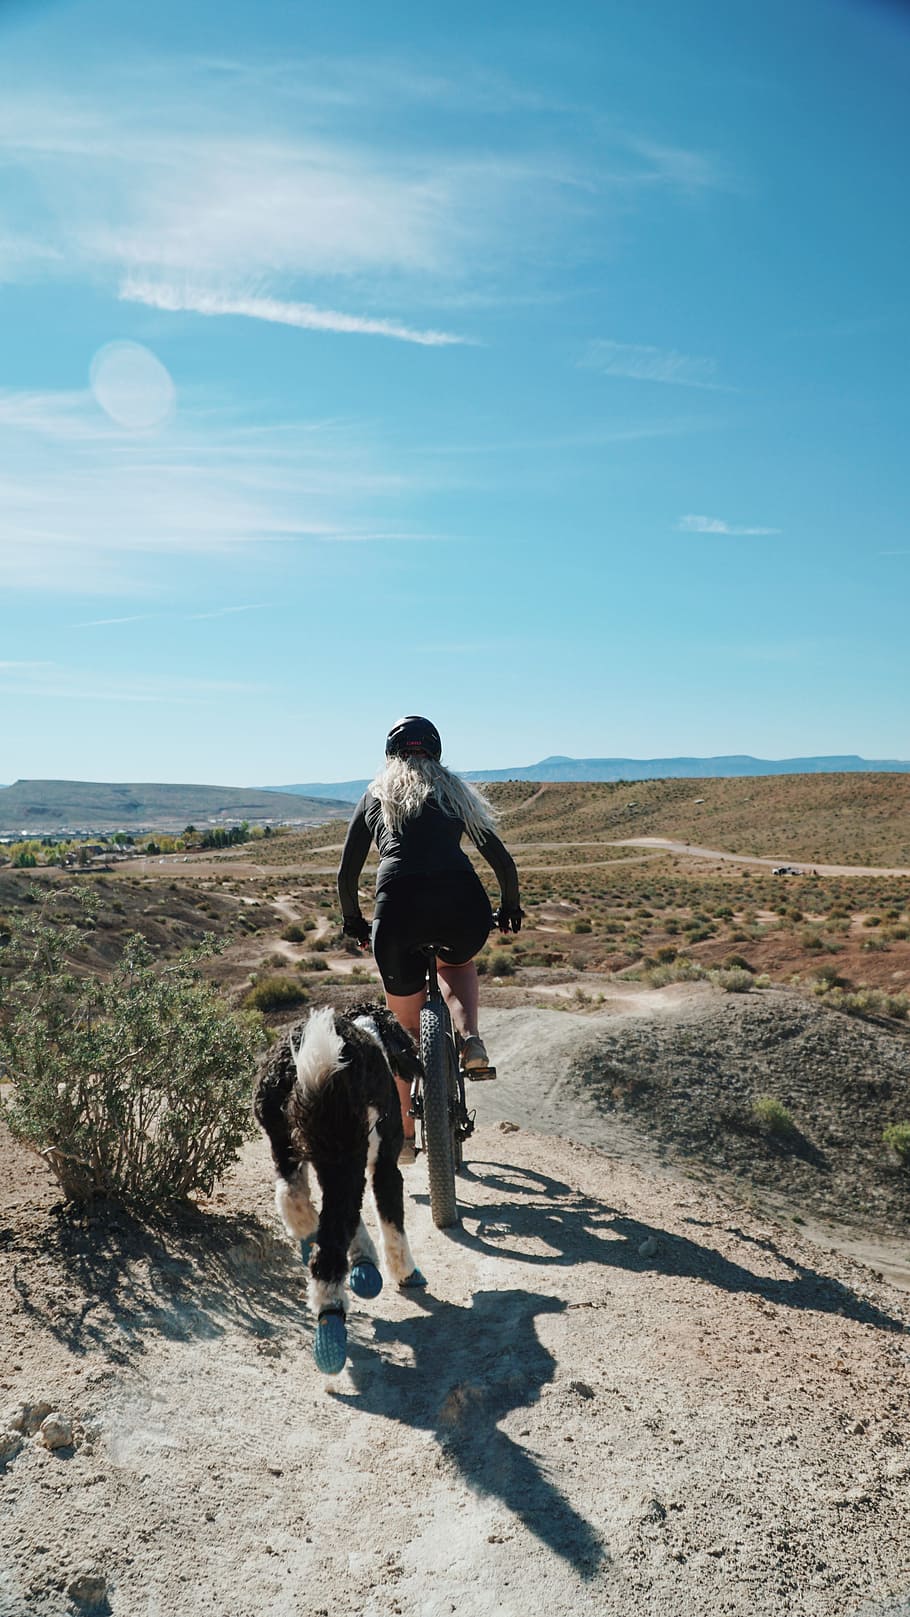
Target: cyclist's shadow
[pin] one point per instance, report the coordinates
(471, 1366)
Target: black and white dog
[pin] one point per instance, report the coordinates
(327, 1098)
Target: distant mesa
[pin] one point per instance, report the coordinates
(45, 807)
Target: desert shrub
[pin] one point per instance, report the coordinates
(499, 964)
(772, 1115)
(733, 980)
(274, 994)
(674, 971)
(864, 1001)
(135, 1086)
(581, 925)
(827, 977)
(294, 933)
(315, 962)
(897, 1135)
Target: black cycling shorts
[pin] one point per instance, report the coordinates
(451, 910)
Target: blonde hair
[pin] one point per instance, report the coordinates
(405, 785)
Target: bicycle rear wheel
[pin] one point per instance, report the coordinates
(438, 1114)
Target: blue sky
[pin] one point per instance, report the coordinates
(545, 373)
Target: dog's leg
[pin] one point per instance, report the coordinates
(295, 1208)
(342, 1195)
(362, 1247)
(388, 1196)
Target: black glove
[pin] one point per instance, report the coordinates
(508, 920)
(355, 926)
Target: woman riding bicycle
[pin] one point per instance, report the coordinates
(416, 811)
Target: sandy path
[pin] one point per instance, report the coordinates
(621, 1393)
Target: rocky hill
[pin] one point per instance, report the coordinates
(43, 807)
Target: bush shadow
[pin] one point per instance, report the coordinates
(110, 1280)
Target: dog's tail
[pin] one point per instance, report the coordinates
(320, 1052)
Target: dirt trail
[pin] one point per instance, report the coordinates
(754, 859)
(622, 1392)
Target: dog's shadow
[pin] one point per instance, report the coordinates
(469, 1367)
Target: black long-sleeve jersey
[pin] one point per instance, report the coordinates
(426, 845)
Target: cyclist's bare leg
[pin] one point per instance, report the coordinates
(407, 1008)
(462, 994)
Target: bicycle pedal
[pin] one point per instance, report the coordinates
(479, 1075)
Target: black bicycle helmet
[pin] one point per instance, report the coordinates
(413, 734)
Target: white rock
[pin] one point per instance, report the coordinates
(56, 1431)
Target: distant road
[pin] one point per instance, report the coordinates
(753, 859)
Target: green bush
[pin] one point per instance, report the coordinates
(294, 933)
(772, 1115)
(864, 1001)
(733, 980)
(136, 1086)
(274, 994)
(897, 1135)
(499, 964)
(581, 925)
(674, 971)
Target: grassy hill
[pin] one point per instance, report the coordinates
(46, 806)
(833, 819)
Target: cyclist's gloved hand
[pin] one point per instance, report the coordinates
(355, 926)
(508, 920)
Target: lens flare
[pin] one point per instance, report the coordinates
(132, 386)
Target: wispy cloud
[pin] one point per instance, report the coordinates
(641, 363)
(225, 612)
(105, 623)
(85, 500)
(679, 167)
(696, 524)
(305, 316)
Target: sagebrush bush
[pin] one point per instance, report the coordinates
(499, 964)
(294, 933)
(136, 1086)
(772, 1114)
(733, 980)
(863, 1001)
(274, 994)
(897, 1135)
(681, 970)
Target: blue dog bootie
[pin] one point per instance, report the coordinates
(306, 1251)
(412, 1281)
(366, 1281)
(330, 1344)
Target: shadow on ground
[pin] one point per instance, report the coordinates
(112, 1281)
(575, 1228)
(471, 1366)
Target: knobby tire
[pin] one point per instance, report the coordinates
(437, 1114)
